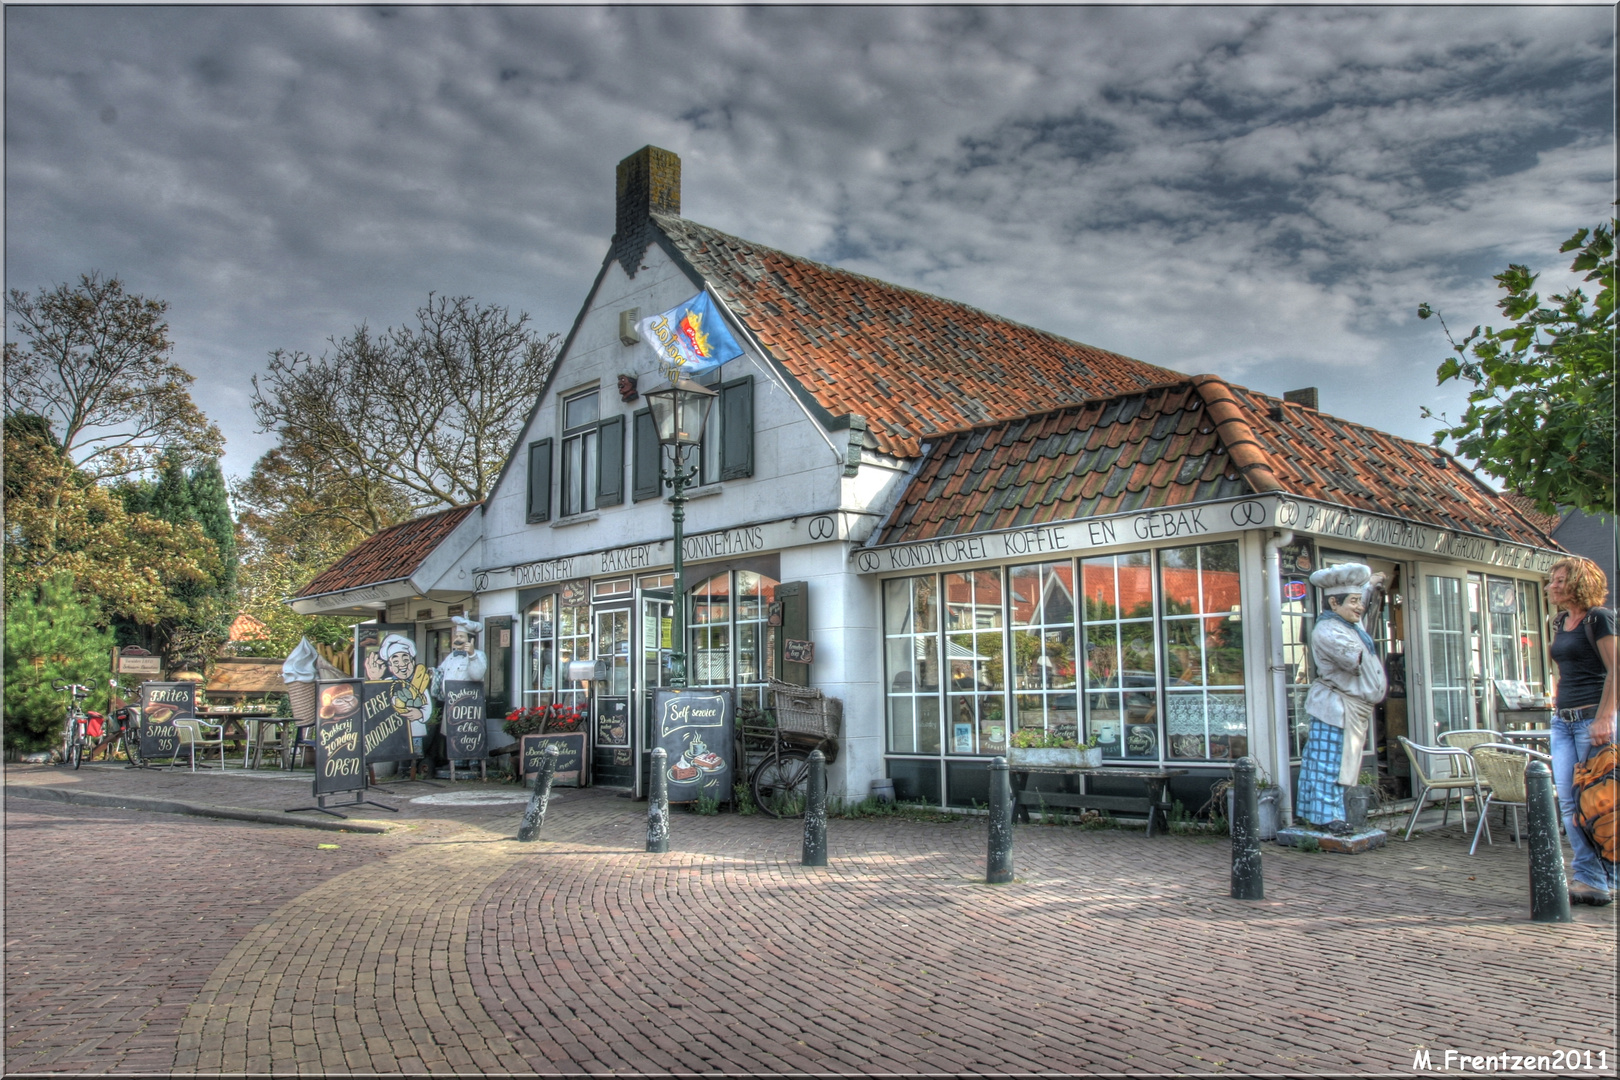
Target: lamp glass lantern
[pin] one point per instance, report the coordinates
(679, 411)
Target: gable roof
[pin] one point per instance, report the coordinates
(1194, 440)
(914, 365)
(390, 554)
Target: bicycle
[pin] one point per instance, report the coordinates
(801, 723)
(77, 729)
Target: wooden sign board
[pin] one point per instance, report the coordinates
(339, 756)
(385, 732)
(134, 660)
(694, 727)
(798, 652)
(161, 703)
(465, 735)
(570, 757)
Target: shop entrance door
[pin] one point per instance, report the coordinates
(1445, 690)
(611, 758)
(652, 672)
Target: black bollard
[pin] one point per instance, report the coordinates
(534, 815)
(1248, 880)
(658, 804)
(999, 866)
(1549, 891)
(815, 813)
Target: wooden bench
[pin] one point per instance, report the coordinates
(1155, 804)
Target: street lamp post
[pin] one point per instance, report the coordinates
(679, 411)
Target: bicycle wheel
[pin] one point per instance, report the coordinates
(132, 746)
(76, 747)
(782, 783)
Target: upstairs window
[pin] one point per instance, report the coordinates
(580, 447)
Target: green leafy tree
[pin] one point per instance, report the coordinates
(1540, 415)
(61, 523)
(51, 636)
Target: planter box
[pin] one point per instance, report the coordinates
(1053, 757)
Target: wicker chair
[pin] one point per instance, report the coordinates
(1467, 740)
(1502, 765)
(1460, 777)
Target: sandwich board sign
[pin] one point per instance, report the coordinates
(695, 729)
(161, 704)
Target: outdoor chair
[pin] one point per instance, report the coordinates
(1472, 737)
(1445, 769)
(1502, 765)
(195, 732)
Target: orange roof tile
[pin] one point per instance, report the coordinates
(914, 365)
(1190, 441)
(388, 555)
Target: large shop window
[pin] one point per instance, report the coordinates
(555, 632)
(1504, 649)
(727, 620)
(1143, 650)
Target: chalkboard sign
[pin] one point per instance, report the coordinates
(385, 731)
(694, 728)
(570, 757)
(339, 756)
(161, 703)
(798, 652)
(612, 722)
(465, 736)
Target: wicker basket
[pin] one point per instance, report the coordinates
(802, 710)
(301, 696)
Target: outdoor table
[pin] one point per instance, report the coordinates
(1155, 805)
(1530, 737)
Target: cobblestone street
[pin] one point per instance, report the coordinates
(148, 942)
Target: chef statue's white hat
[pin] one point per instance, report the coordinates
(1342, 580)
(464, 623)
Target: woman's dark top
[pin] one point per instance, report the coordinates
(1580, 668)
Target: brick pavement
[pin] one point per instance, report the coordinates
(461, 951)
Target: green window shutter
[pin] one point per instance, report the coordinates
(646, 456)
(737, 428)
(610, 461)
(540, 481)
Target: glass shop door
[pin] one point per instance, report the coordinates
(652, 672)
(612, 762)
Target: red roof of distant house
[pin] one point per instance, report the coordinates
(914, 365)
(390, 554)
(1192, 441)
(246, 628)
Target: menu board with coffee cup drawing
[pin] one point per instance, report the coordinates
(570, 757)
(386, 732)
(465, 736)
(339, 755)
(694, 727)
(161, 703)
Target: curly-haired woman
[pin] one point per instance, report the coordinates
(1583, 714)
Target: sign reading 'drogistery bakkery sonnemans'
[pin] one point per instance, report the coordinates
(1190, 522)
(725, 543)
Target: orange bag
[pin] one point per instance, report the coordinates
(1595, 799)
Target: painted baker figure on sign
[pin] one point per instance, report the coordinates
(1349, 682)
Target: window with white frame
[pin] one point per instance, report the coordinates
(579, 452)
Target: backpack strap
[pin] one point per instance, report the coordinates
(1586, 624)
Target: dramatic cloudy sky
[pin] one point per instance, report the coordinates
(1264, 193)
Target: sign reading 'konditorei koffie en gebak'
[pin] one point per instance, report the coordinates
(694, 728)
(385, 733)
(570, 756)
(161, 704)
(465, 736)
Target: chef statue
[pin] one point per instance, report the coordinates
(465, 662)
(1349, 682)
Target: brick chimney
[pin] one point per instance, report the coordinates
(649, 181)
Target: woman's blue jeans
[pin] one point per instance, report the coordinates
(1571, 740)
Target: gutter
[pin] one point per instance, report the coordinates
(1279, 686)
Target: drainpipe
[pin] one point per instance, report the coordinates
(1279, 670)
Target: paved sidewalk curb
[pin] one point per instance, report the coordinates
(169, 806)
